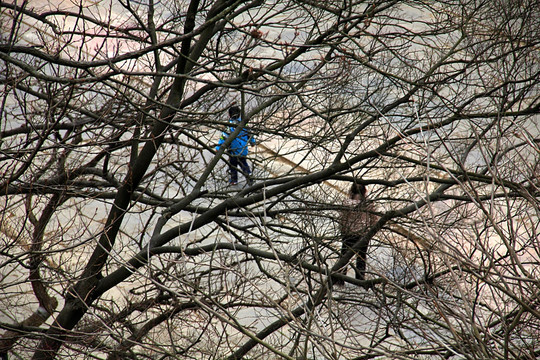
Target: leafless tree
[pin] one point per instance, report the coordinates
(121, 238)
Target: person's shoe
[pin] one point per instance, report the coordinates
(233, 182)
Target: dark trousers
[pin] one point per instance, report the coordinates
(237, 162)
(361, 254)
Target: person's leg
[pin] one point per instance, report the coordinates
(361, 262)
(346, 244)
(244, 166)
(233, 169)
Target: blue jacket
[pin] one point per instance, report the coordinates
(239, 145)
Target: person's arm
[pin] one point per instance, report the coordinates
(343, 217)
(222, 139)
(371, 216)
(220, 142)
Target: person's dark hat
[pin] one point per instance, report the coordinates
(357, 188)
(234, 111)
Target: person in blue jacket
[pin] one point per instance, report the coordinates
(238, 148)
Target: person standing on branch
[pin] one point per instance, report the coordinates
(238, 148)
(355, 220)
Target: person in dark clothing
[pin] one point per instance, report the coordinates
(355, 219)
(238, 148)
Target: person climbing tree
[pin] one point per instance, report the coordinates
(238, 148)
(355, 219)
